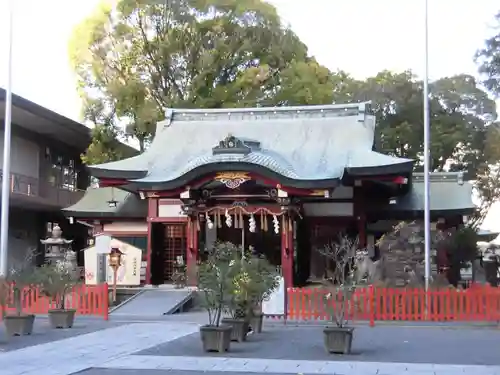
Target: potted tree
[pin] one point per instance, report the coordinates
(341, 284)
(249, 288)
(21, 281)
(56, 281)
(239, 305)
(265, 281)
(215, 282)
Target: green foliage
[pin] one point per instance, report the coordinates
(462, 247)
(137, 58)
(55, 282)
(22, 276)
(103, 147)
(488, 59)
(464, 136)
(256, 281)
(460, 113)
(141, 57)
(216, 279)
(265, 278)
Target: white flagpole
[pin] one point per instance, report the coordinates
(4, 225)
(427, 130)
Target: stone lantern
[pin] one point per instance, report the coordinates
(58, 252)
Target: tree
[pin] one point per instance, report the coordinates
(145, 57)
(458, 111)
(104, 146)
(464, 136)
(488, 59)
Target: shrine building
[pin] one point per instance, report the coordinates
(284, 180)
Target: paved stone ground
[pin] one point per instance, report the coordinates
(379, 344)
(282, 366)
(115, 351)
(108, 371)
(78, 353)
(43, 333)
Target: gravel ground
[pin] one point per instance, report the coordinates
(441, 345)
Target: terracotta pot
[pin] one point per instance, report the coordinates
(19, 325)
(239, 329)
(62, 318)
(338, 340)
(216, 339)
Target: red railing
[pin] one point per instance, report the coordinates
(387, 304)
(85, 299)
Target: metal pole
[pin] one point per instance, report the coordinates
(115, 271)
(4, 224)
(427, 130)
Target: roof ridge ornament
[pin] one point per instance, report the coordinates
(231, 145)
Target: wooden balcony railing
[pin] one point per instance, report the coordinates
(43, 192)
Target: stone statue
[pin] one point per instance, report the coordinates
(369, 270)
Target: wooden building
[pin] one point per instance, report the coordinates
(282, 180)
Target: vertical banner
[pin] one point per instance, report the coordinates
(275, 303)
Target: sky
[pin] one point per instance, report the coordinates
(362, 37)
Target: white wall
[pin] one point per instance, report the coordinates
(170, 208)
(24, 157)
(125, 226)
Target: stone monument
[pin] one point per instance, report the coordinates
(58, 252)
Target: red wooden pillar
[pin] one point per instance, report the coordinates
(290, 251)
(287, 251)
(152, 213)
(192, 250)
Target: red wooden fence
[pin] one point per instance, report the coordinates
(85, 299)
(387, 304)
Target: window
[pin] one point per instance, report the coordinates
(63, 173)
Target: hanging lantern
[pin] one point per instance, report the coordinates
(229, 220)
(252, 225)
(276, 224)
(210, 224)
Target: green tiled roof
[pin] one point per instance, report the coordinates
(448, 192)
(308, 143)
(95, 204)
